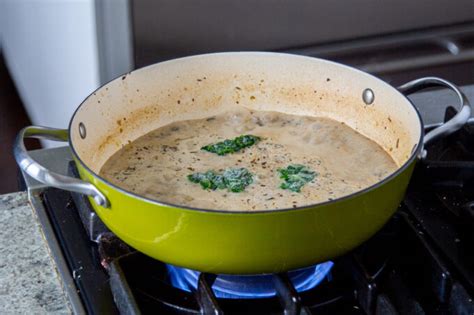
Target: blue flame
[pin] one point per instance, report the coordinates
(233, 287)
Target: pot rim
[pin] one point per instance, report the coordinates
(414, 154)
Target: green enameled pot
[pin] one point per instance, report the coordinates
(237, 242)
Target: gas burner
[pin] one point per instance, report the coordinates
(249, 287)
(141, 285)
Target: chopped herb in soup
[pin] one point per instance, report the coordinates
(231, 146)
(295, 176)
(273, 161)
(234, 179)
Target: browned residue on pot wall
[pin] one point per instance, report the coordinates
(203, 86)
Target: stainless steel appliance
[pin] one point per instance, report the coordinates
(396, 40)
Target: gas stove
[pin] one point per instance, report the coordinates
(421, 262)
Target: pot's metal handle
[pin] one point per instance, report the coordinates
(45, 176)
(454, 123)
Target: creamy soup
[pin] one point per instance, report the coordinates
(157, 164)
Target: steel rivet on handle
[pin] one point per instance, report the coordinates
(82, 130)
(368, 96)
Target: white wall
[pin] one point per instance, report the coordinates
(50, 47)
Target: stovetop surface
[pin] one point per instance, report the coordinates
(419, 263)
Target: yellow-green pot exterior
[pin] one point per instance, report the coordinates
(249, 243)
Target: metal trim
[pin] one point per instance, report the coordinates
(455, 123)
(114, 38)
(49, 177)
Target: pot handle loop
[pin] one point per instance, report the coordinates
(45, 176)
(451, 125)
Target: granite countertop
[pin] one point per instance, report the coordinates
(29, 283)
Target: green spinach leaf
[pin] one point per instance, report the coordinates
(231, 146)
(295, 176)
(234, 179)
